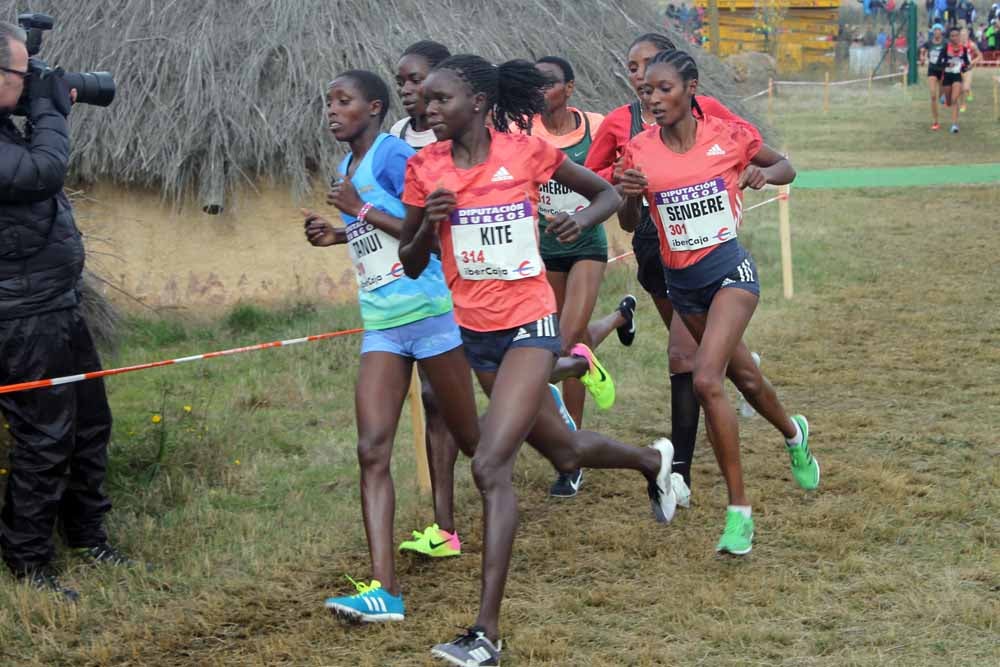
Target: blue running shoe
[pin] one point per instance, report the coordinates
(371, 604)
(567, 483)
(561, 407)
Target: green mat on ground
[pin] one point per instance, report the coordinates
(896, 177)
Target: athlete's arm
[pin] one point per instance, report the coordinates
(345, 197)
(767, 166)
(319, 231)
(633, 185)
(418, 238)
(604, 149)
(604, 201)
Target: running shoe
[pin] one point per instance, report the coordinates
(45, 579)
(661, 492)
(681, 490)
(936, 126)
(961, 109)
(434, 543)
(737, 537)
(805, 467)
(954, 129)
(969, 97)
(626, 332)
(943, 100)
(596, 379)
(561, 407)
(567, 484)
(371, 604)
(104, 554)
(472, 649)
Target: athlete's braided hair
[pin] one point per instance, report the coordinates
(661, 42)
(372, 87)
(431, 51)
(513, 90)
(561, 63)
(683, 64)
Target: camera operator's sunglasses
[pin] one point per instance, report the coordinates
(18, 72)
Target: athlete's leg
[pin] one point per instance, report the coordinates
(441, 455)
(450, 379)
(719, 332)
(383, 379)
(759, 393)
(582, 285)
(599, 330)
(516, 391)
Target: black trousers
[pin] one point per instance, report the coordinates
(61, 434)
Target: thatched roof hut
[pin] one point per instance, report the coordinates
(219, 97)
(219, 93)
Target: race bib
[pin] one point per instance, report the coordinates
(954, 65)
(554, 197)
(496, 242)
(375, 255)
(696, 216)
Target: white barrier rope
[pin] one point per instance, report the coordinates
(823, 83)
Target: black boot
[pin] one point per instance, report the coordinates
(45, 579)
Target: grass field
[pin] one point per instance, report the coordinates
(244, 494)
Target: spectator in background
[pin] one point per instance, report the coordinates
(967, 12)
(940, 9)
(929, 6)
(951, 13)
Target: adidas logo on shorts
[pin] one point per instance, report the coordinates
(501, 175)
(715, 150)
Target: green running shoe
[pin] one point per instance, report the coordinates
(596, 379)
(434, 543)
(737, 538)
(805, 467)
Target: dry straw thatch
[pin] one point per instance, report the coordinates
(214, 95)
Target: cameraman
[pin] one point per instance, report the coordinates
(61, 433)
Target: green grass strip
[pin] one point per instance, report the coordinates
(884, 177)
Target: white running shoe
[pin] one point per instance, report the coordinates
(681, 490)
(661, 492)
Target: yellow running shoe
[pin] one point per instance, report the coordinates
(434, 543)
(596, 379)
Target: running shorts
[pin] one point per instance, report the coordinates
(564, 264)
(694, 301)
(951, 78)
(422, 339)
(486, 349)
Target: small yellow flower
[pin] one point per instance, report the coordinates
(156, 419)
(6, 426)
(187, 408)
(3, 471)
(237, 461)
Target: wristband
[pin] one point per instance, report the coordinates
(364, 211)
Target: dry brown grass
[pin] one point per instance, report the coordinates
(891, 347)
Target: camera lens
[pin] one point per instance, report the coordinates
(97, 88)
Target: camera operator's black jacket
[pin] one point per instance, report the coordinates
(41, 251)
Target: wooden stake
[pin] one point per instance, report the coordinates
(785, 231)
(826, 94)
(770, 98)
(996, 98)
(419, 434)
(713, 27)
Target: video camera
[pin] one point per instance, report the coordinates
(97, 88)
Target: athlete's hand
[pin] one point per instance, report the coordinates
(439, 206)
(634, 183)
(752, 177)
(319, 231)
(343, 195)
(617, 169)
(564, 227)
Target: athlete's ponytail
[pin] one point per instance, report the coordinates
(513, 90)
(684, 65)
(520, 96)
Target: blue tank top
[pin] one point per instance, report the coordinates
(387, 297)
